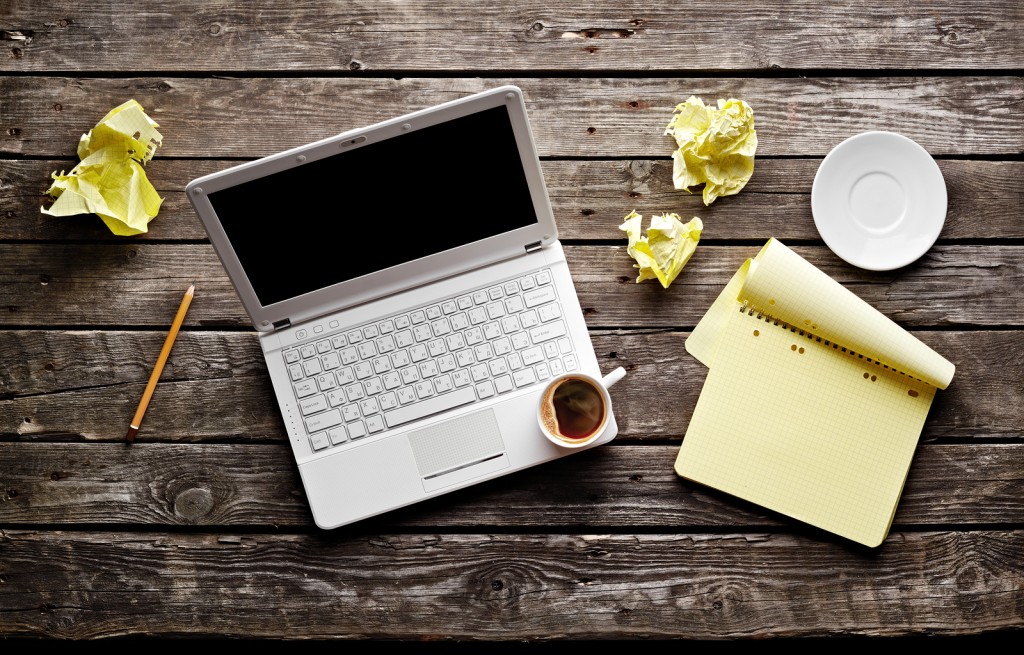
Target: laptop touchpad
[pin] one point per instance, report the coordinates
(458, 445)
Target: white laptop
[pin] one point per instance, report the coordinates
(411, 298)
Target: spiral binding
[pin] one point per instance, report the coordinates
(760, 314)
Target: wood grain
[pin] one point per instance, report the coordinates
(85, 385)
(505, 587)
(617, 488)
(596, 117)
(629, 35)
(200, 530)
(589, 199)
(131, 284)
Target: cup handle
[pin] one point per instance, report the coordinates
(614, 376)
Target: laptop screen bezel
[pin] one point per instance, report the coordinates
(350, 293)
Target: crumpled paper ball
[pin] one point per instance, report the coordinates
(110, 180)
(715, 146)
(666, 248)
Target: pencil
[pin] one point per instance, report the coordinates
(133, 429)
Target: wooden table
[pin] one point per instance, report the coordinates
(200, 528)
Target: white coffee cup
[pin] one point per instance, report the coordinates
(575, 408)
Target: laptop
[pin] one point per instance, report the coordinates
(411, 298)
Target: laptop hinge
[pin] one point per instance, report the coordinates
(283, 323)
(533, 247)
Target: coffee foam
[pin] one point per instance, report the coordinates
(549, 416)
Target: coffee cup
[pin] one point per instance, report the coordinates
(575, 408)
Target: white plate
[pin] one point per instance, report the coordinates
(879, 200)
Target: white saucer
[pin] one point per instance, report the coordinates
(879, 200)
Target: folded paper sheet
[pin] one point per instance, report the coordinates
(814, 401)
(110, 181)
(716, 147)
(666, 248)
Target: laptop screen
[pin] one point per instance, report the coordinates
(377, 206)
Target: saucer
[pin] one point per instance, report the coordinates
(879, 200)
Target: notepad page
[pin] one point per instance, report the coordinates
(782, 283)
(805, 429)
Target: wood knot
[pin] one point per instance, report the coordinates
(193, 504)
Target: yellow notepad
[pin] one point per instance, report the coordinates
(814, 401)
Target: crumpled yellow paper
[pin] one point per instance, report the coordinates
(669, 244)
(716, 146)
(110, 181)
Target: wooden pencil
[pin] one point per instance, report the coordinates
(133, 429)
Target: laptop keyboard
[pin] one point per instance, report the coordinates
(357, 382)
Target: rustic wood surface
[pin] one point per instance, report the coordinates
(200, 529)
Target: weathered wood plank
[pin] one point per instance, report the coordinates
(86, 385)
(608, 34)
(589, 198)
(582, 117)
(505, 587)
(618, 487)
(139, 284)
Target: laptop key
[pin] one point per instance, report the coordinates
(485, 389)
(406, 395)
(312, 405)
(424, 389)
(430, 406)
(319, 441)
(369, 406)
(503, 384)
(374, 424)
(524, 377)
(356, 430)
(548, 331)
(539, 296)
(338, 435)
(305, 388)
(323, 421)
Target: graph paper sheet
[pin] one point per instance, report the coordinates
(793, 418)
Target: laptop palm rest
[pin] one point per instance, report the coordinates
(418, 464)
(458, 450)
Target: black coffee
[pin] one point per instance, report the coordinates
(578, 408)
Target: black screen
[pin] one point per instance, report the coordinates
(377, 205)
